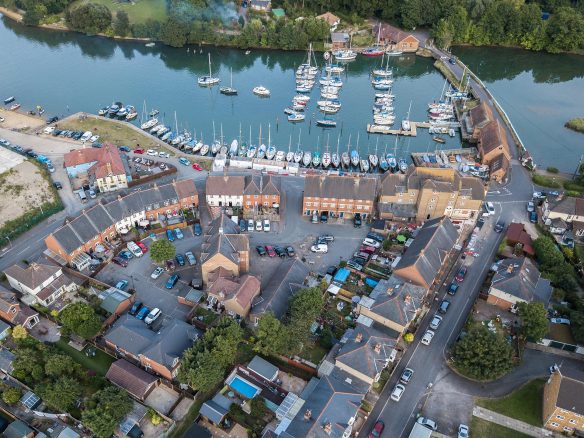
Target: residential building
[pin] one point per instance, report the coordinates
(261, 192)
(518, 280)
(233, 294)
(115, 301)
(260, 5)
(18, 429)
(224, 247)
(394, 39)
(39, 283)
(568, 209)
(424, 193)
(477, 118)
(340, 40)
(332, 20)
(393, 303)
(159, 352)
(7, 359)
(216, 409)
(284, 283)
(100, 224)
(103, 167)
(339, 196)
(224, 191)
(563, 404)
(518, 237)
(427, 256)
(135, 380)
(16, 313)
(60, 430)
(494, 149)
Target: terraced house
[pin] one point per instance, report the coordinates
(428, 193)
(339, 196)
(101, 224)
(261, 192)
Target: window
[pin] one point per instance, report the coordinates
(573, 421)
(555, 424)
(567, 429)
(559, 417)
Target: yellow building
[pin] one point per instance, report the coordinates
(563, 403)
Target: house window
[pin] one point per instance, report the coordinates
(555, 424)
(567, 429)
(573, 422)
(559, 417)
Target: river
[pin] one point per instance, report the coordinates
(69, 72)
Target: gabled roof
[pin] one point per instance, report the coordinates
(17, 429)
(516, 234)
(7, 299)
(216, 408)
(429, 249)
(480, 115)
(33, 275)
(242, 289)
(340, 187)
(107, 160)
(131, 378)
(520, 277)
(6, 360)
(262, 185)
(391, 33)
(112, 298)
(263, 368)
(571, 389)
(225, 185)
(491, 137)
(329, 17)
(568, 205)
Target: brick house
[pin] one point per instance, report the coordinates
(518, 280)
(517, 236)
(396, 40)
(224, 247)
(428, 193)
(102, 223)
(494, 149)
(135, 380)
(234, 294)
(339, 196)
(563, 404)
(225, 191)
(261, 192)
(568, 209)
(477, 119)
(16, 313)
(340, 40)
(428, 254)
(39, 283)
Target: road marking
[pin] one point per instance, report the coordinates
(21, 251)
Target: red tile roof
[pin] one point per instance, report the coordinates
(516, 234)
(108, 160)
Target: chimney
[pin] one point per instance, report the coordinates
(328, 428)
(377, 348)
(359, 337)
(510, 269)
(307, 415)
(408, 299)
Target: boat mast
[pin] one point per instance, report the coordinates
(214, 136)
(222, 143)
(290, 143)
(240, 133)
(349, 143)
(260, 138)
(210, 65)
(269, 135)
(175, 124)
(338, 142)
(299, 134)
(250, 135)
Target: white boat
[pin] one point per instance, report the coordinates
(290, 157)
(383, 72)
(280, 155)
(301, 98)
(198, 146)
(251, 152)
(103, 111)
(326, 123)
(156, 128)
(223, 150)
(153, 113)
(296, 117)
(391, 161)
(329, 95)
(335, 69)
(298, 156)
(383, 163)
(316, 159)
(329, 90)
(403, 165)
(149, 124)
(229, 91)
(345, 160)
(394, 53)
(208, 80)
(332, 82)
(306, 158)
(233, 148)
(270, 152)
(261, 91)
(326, 159)
(303, 89)
(204, 149)
(364, 164)
(329, 109)
(405, 125)
(335, 103)
(150, 44)
(373, 160)
(298, 107)
(215, 147)
(335, 160)
(354, 158)
(262, 151)
(345, 55)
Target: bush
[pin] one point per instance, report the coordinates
(545, 181)
(573, 187)
(552, 170)
(11, 396)
(576, 124)
(154, 417)
(409, 338)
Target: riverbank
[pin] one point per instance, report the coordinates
(576, 124)
(19, 121)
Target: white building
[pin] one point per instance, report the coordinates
(225, 191)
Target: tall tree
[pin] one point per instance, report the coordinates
(304, 308)
(62, 394)
(121, 24)
(534, 322)
(111, 406)
(271, 336)
(162, 250)
(90, 18)
(81, 319)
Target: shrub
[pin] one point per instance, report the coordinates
(545, 181)
(552, 170)
(11, 396)
(409, 337)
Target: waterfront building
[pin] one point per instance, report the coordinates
(494, 149)
(394, 39)
(332, 20)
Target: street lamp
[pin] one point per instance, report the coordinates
(9, 241)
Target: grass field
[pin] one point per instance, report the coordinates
(484, 429)
(525, 404)
(100, 363)
(138, 12)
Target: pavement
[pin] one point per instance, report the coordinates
(510, 423)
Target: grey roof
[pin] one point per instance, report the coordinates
(429, 249)
(112, 298)
(570, 392)
(340, 37)
(340, 187)
(223, 222)
(283, 284)
(163, 347)
(216, 408)
(395, 299)
(33, 275)
(521, 278)
(6, 360)
(3, 327)
(17, 429)
(558, 222)
(62, 431)
(262, 185)
(568, 205)
(30, 400)
(405, 211)
(334, 399)
(358, 349)
(264, 368)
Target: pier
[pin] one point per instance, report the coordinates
(413, 132)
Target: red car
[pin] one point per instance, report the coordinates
(461, 274)
(139, 151)
(377, 429)
(120, 262)
(197, 166)
(270, 250)
(143, 247)
(367, 249)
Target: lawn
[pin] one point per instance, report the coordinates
(485, 429)
(524, 404)
(100, 363)
(138, 12)
(313, 352)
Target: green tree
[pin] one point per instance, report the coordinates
(90, 18)
(304, 308)
(271, 336)
(565, 30)
(29, 364)
(62, 394)
(577, 325)
(34, 14)
(443, 33)
(19, 333)
(482, 355)
(174, 33)
(162, 250)
(11, 395)
(111, 405)
(121, 24)
(534, 322)
(60, 365)
(81, 319)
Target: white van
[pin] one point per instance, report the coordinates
(135, 249)
(86, 136)
(490, 208)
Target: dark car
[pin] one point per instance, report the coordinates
(125, 254)
(120, 261)
(198, 229)
(280, 252)
(180, 259)
(357, 220)
(124, 149)
(172, 281)
(144, 311)
(444, 305)
(261, 250)
(58, 185)
(461, 274)
(406, 376)
(290, 251)
(242, 225)
(135, 308)
(375, 236)
(327, 238)
(500, 226)
(377, 429)
(324, 217)
(453, 288)
(52, 120)
(56, 132)
(533, 217)
(31, 153)
(452, 60)
(331, 270)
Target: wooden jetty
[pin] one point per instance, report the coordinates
(413, 132)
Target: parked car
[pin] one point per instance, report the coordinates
(290, 251)
(266, 225)
(270, 251)
(121, 284)
(135, 308)
(191, 258)
(327, 237)
(179, 234)
(427, 422)
(357, 220)
(461, 274)
(144, 311)
(280, 252)
(180, 259)
(139, 151)
(152, 152)
(125, 254)
(331, 270)
(463, 431)
(490, 208)
(258, 226)
(120, 261)
(124, 149)
(51, 169)
(319, 248)
(152, 316)
(184, 161)
(533, 217)
(397, 392)
(143, 247)
(370, 242)
(314, 219)
(324, 217)
(406, 376)
(444, 305)
(375, 236)
(58, 185)
(198, 229)
(354, 264)
(362, 256)
(250, 225)
(172, 281)
(427, 338)
(530, 206)
(368, 249)
(170, 235)
(453, 288)
(261, 250)
(242, 225)
(500, 226)
(435, 322)
(452, 60)
(135, 249)
(163, 155)
(157, 273)
(197, 167)
(377, 429)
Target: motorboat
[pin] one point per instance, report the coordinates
(345, 160)
(354, 158)
(326, 123)
(345, 55)
(328, 109)
(451, 132)
(149, 124)
(384, 121)
(290, 157)
(301, 98)
(261, 91)
(280, 155)
(150, 44)
(391, 161)
(153, 113)
(14, 106)
(113, 109)
(103, 111)
(306, 158)
(335, 160)
(373, 160)
(364, 164)
(157, 128)
(296, 117)
(215, 147)
(204, 150)
(271, 152)
(223, 150)
(243, 149)
(298, 156)
(178, 139)
(9, 99)
(132, 113)
(251, 151)
(208, 80)
(233, 148)
(198, 146)
(403, 165)
(438, 139)
(326, 159)
(316, 159)
(405, 125)
(298, 107)
(166, 136)
(383, 165)
(384, 96)
(334, 69)
(262, 151)
(394, 53)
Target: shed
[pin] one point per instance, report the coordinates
(263, 368)
(18, 429)
(342, 275)
(30, 400)
(215, 409)
(279, 13)
(6, 360)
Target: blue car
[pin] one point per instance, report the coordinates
(144, 311)
(453, 288)
(198, 229)
(172, 281)
(122, 284)
(126, 254)
(179, 234)
(170, 235)
(135, 307)
(124, 149)
(180, 259)
(242, 225)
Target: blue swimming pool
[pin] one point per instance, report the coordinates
(243, 387)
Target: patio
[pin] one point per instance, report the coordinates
(162, 399)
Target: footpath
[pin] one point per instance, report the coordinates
(511, 423)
